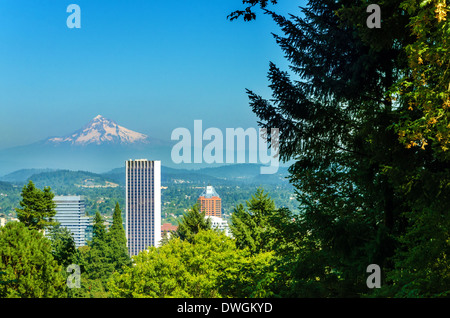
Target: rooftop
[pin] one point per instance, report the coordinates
(209, 192)
(68, 198)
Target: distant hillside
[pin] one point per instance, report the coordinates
(232, 171)
(6, 187)
(168, 176)
(23, 175)
(245, 172)
(66, 178)
(225, 175)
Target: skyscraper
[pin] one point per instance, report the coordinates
(143, 204)
(210, 202)
(70, 213)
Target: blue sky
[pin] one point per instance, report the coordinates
(150, 65)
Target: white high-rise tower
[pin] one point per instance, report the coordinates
(143, 204)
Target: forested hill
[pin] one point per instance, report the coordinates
(181, 187)
(228, 174)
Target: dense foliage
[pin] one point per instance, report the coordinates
(202, 267)
(363, 114)
(192, 223)
(37, 207)
(27, 266)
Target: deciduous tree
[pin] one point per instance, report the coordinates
(209, 266)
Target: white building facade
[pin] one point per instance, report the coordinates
(219, 224)
(70, 213)
(143, 205)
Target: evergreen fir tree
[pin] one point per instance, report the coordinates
(363, 114)
(117, 241)
(99, 230)
(63, 246)
(37, 207)
(250, 227)
(335, 113)
(99, 265)
(192, 222)
(117, 230)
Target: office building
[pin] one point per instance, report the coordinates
(143, 204)
(210, 202)
(70, 213)
(219, 224)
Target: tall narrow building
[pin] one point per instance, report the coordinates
(210, 202)
(70, 213)
(143, 204)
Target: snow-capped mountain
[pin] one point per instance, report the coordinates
(99, 146)
(99, 131)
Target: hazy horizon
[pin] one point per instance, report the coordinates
(151, 66)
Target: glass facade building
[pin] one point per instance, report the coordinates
(143, 204)
(70, 213)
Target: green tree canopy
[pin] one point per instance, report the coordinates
(99, 230)
(27, 267)
(117, 230)
(37, 207)
(250, 227)
(192, 222)
(424, 89)
(98, 265)
(63, 246)
(208, 266)
(117, 241)
(351, 100)
(105, 254)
